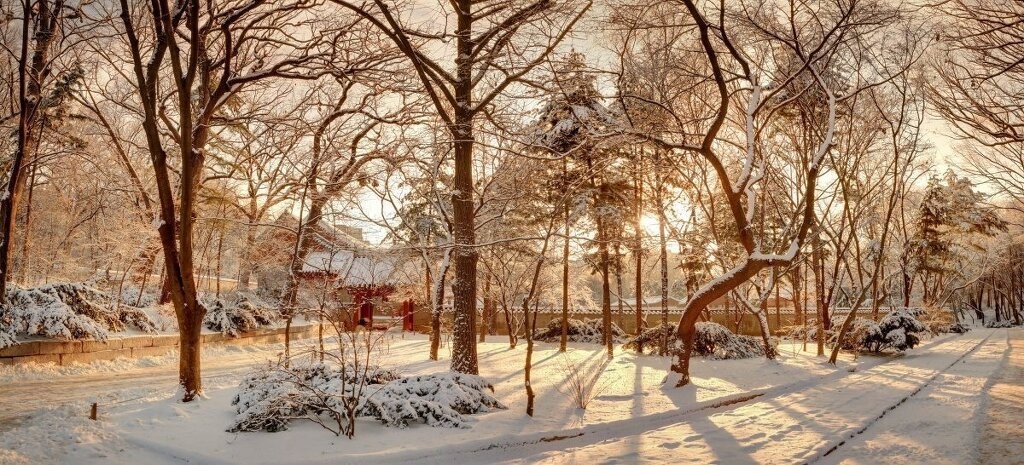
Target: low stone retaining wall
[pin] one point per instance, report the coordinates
(85, 351)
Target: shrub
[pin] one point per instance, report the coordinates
(240, 317)
(716, 341)
(66, 311)
(270, 398)
(800, 332)
(581, 380)
(710, 340)
(898, 331)
(1000, 324)
(588, 331)
(440, 399)
(650, 339)
(955, 328)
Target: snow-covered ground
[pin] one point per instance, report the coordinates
(923, 407)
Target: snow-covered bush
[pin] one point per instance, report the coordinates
(66, 311)
(274, 395)
(271, 397)
(955, 328)
(131, 295)
(239, 317)
(650, 339)
(800, 332)
(716, 341)
(898, 331)
(439, 399)
(855, 336)
(1000, 324)
(588, 331)
(710, 340)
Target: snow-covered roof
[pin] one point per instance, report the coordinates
(353, 267)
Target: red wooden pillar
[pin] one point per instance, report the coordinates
(407, 310)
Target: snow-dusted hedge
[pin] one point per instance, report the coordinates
(710, 340)
(1000, 324)
(66, 311)
(588, 331)
(273, 396)
(240, 316)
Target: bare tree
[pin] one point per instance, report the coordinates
(807, 43)
(211, 53)
(492, 45)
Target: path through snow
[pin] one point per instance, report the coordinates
(925, 405)
(795, 427)
(1001, 433)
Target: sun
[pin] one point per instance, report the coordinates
(650, 224)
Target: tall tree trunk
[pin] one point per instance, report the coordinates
(618, 284)
(488, 304)
(248, 262)
(663, 259)
(26, 236)
(766, 338)
(464, 354)
(30, 80)
(437, 307)
(638, 251)
(606, 294)
(564, 339)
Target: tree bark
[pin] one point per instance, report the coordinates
(564, 340)
(464, 353)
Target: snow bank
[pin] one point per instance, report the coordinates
(66, 311)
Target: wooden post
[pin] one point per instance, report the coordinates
(92, 412)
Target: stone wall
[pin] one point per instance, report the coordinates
(85, 351)
(627, 321)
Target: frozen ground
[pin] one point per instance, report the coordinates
(924, 407)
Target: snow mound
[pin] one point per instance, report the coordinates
(586, 331)
(1000, 324)
(66, 311)
(270, 398)
(240, 316)
(59, 435)
(710, 340)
